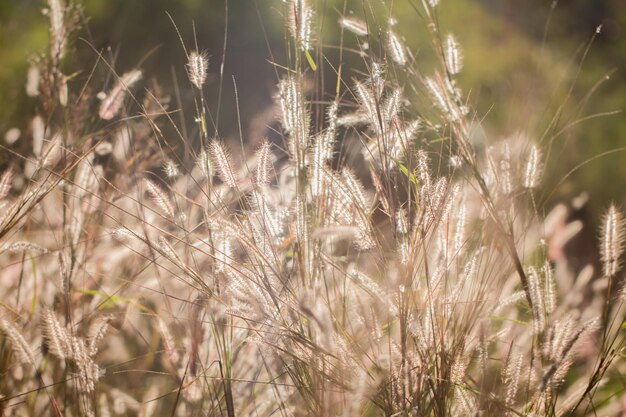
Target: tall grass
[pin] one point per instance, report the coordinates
(382, 259)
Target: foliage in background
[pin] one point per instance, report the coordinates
(518, 71)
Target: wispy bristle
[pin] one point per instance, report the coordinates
(197, 68)
(378, 76)
(459, 229)
(402, 229)
(392, 105)
(56, 335)
(171, 169)
(122, 234)
(222, 247)
(402, 222)
(23, 246)
(205, 164)
(58, 32)
(159, 197)
(550, 289)
(367, 102)
(86, 181)
(269, 220)
(300, 21)
(168, 341)
(464, 398)
(423, 173)
(318, 161)
(401, 136)
(295, 116)
(509, 301)
(19, 344)
(331, 129)
(302, 229)
(441, 99)
(112, 104)
(322, 151)
(511, 377)
(96, 333)
(169, 252)
(396, 49)
(5, 183)
(354, 25)
(532, 172)
(454, 55)
(353, 119)
(264, 163)
(355, 188)
(506, 182)
(536, 294)
(221, 159)
(612, 241)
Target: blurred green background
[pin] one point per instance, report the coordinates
(521, 59)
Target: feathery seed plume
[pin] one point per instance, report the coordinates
(550, 289)
(536, 295)
(159, 197)
(197, 68)
(23, 246)
(506, 183)
(171, 169)
(402, 229)
(56, 335)
(367, 102)
(396, 49)
(459, 230)
(331, 129)
(532, 173)
(511, 376)
(454, 55)
(441, 99)
(221, 159)
(612, 241)
(300, 21)
(96, 333)
(112, 104)
(58, 32)
(295, 116)
(264, 163)
(5, 183)
(354, 25)
(168, 341)
(20, 346)
(205, 164)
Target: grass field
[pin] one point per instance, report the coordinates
(364, 247)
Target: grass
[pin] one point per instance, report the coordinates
(376, 255)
